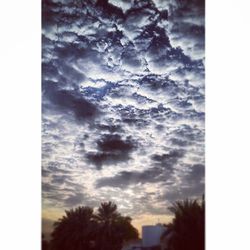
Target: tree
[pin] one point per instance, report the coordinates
(81, 229)
(187, 230)
(45, 244)
(75, 230)
(125, 230)
(114, 229)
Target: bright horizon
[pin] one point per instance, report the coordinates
(143, 220)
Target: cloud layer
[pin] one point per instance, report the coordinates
(123, 103)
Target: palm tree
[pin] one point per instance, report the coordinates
(80, 229)
(124, 229)
(187, 230)
(106, 216)
(107, 212)
(75, 230)
(114, 229)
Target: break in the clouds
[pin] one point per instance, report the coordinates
(123, 103)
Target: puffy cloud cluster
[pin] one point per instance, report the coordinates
(123, 103)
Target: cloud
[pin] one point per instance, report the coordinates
(187, 24)
(184, 192)
(74, 200)
(111, 148)
(168, 160)
(114, 143)
(110, 128)
(192, 185)
(123, 103)
(110, 9)
(196, 174)
(71, 101)
(163, 170)
(125, 178)
(100, 159)
(60, 179)
(180, 142)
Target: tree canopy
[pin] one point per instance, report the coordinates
(81, 228)
(187, 230)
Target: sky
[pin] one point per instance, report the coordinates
(123, 105)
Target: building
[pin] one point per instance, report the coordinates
(151, 235)
(151, 239)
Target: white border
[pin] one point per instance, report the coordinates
(227, 124)
(20, 103)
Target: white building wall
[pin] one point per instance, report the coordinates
(151, 235)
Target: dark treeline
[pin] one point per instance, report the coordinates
(81, 228)
(187, 230)
(107, 229)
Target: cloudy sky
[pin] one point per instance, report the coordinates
(122, 105)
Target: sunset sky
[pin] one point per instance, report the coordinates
(122, 105)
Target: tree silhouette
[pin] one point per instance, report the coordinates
(81, 229)
(106, 216)
(45, 244)
(124, 230)
(187, 230)
(114, 229)
(75, 230)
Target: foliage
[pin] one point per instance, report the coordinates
(75, 230)
(187, 230)
(45, 244)
(114, 229)
(81, 229)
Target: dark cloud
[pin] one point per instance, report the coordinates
(188, 26)
(47, 187)
(159, 41)
(196, 174)
(170, 159)
(73, 51)
(71, 101)
(100, 159)
(125, 178)
(142, 118)
(191, 186)
(112, 148)
(189, 5)
(195, 190)
(114, 143)
(163, 170)
(110, 128)
(180, 142)
(45, 173)
(155, 82)
(48, 12)
(109, 9)
(74, 200)
(60, 179)
(63, 191)
(189, 133)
